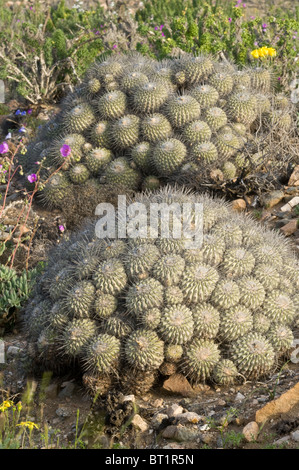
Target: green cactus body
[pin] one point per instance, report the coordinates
(206, 95)
(168, 155)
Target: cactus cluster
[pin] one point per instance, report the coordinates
(126, 310)
(137, 123)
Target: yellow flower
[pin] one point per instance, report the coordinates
(263, 51)
(5, 405)
(28, 424)
(255, 53)
(272, 52)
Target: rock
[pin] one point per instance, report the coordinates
(295, 435)
(189, 417)
(174, 445)
(169, 432)
(63, 412)
(251, 431)
(271, 199)
(178, 385)
(139, 423)
(221, 403)
(205, 427)
(174, 410)
(128, 398)
(284, 404)
(239, 205)
(158, 419)
(281, 223)
(208, 438)
(294, 178)
(282, 440)
(13, 351)
(290, 228)
(158, 403)
(183, 434)
(289, 206)
(239, 397)
(67, 391)
(51, 391)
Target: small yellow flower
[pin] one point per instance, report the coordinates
(272, 52)
(28, 424)
(5, 405)
(255, 53)
(263, 51)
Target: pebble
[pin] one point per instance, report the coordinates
(63, 412)
(205, 427)
(272, 198)
(169, 432)
(13, 351)
(158, 419)
(189, 417)
(289, 228)
(239, 397)
(67, 391)
(174, 410)
(185, 434)
(158, 403)
(139, 423)
(126, 398)
(282, 440)
(239, 205)
(51, 391)
(295, 435)
(251, 431)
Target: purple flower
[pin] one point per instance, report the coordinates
(163, 34)
(264, 26)
(23, 113)
(29, 111)
(114, 46)
(4, 148)
(32, 178)
(37, 163)
(294, 37)
(244, 5)
(161, 27)
(230, 20)
(61, 228)
(156, 28)
(22, 129)
(252, 17)
(65, 150)
(256, 43)
(17, 112)
(8, 136)
(279, 78)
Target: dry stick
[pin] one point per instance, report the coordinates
(9, 177)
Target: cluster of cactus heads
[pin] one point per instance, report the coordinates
(126, 310)
(137, 123)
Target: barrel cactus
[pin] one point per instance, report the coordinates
(138, 123)
(127, 310)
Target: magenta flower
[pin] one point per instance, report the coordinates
(65, 150)
(161, 27)
(264, 26)
(163, 34)
(230, 20)
(37, 163)
(252, 17)
(29, 111)
(61, 228)
(4, 148)
(114, 46)
(32, 178)
(279, 78)
(156, 28)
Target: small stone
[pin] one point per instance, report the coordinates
(139, 423)
(13, 351)
(239, 205)
(289, 206)
(158, 419)
(290, 228)
(174, 445)
(282, 440)
(169, 432)
(251, 431)
(255, 402)
(295, 435)
(174, 410)
(67, 391)
(281, 405)
(186, 434)
(204, 427)
(178, 385)
(281, 223)
(51, 391)
(294, 178)
(189, 417)
(158, 403)
(221, 403)
(239, 397)
(63, 412)
(127, 398)
(271, 199)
